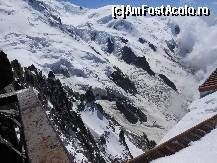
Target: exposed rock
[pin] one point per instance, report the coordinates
(171, 45)
(168, 82)
(122, 25)
(18, 70)
(95, 50)
(177, 29)
(150, 143)
(51, 75)
(32, 68)
(110, 45)
(141, 62)
(93, 36)
(128, 113)
(142, 41)
(131, 113)
(141, 141)
(5, 71)
(64, 119)
(129, 57)
(124, 40)
(152, 46)
(89, 96)
(123, 81)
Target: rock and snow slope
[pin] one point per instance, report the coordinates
(132, 66)
(204, 150)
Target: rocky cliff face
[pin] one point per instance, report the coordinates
(111, 86)
(5, 71)
(58, 102)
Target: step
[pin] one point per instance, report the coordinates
(196, 135)
(182, 142)
(199, 132)
(178, 145)
(193, 137)
(171, 149)
(205, 128)
(166, 151)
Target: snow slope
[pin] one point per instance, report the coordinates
(204, 150)
(86, 47)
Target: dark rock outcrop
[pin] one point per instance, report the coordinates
(66, 121)
(177, 29)
(142, 40)
(58, 100)
(152, 46)
(51, 75)
(124, 40)
(95, 50)
(132, 114)
(171, 45)
(6, 73)
(140, 62)
(110, 45)
(168, 82)
(89, 96)
(123, 81)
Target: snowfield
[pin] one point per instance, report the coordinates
(204, 150)
(133, 67)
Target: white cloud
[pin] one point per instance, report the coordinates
(198, 37)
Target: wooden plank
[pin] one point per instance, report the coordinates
(160, 154)
(42, 142)
(208, 125)
(155, 155)
(165, 151)
(177, 145)
(207, 87)
(171, 149)
(193, 137)
(186, 138)
(212, 123)
(199, 132)
(205, 128)
(183, 142)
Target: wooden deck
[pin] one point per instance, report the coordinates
(210, 84)
(178, 142)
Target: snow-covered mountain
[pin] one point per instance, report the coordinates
(126, 73)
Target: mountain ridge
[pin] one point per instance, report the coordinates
(86, 48)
